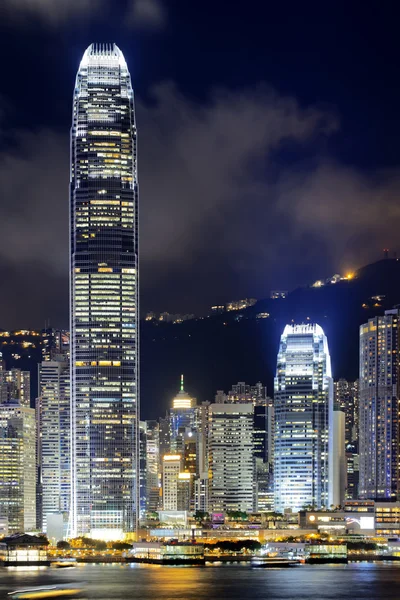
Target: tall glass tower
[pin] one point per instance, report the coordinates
(303, 412)
(104, 298)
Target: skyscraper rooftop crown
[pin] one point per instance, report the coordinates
(103, 54)
(304, 328)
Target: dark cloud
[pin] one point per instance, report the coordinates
(51, 12)
(223, 215)
(146, 14)
(139, 14)
(34, 200)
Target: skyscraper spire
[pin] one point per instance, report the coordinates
(182, 388)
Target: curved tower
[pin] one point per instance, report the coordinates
(303, 413)
(104, 297)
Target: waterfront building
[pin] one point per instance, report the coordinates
(17, 467)
(379, 407)
(231, 457)
(164, 553)
(303, 401)
(104, 298)
(53, 413)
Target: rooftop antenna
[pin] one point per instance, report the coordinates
(182, 390)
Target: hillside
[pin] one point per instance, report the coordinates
(218, 351)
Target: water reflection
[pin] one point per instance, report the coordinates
(359, 581)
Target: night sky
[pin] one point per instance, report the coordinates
(268, 144)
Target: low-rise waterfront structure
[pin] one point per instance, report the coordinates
(167, 553)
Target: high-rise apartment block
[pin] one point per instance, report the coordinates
(346, 399)
(379, 407)
(14, 385)
(303, 403)
(244, 393)
(55, 342)
(104, 298)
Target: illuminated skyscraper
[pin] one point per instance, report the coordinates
(182, 418)
(303, 403)
(379, 407)
(104, 297)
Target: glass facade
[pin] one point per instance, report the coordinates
(104, 296)
(303, 400)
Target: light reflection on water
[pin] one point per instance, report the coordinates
(356, 581)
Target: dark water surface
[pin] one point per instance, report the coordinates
(357, 581)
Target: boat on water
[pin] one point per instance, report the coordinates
(47, 592)
(64, 563)
(273, 562)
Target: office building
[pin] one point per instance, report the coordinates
(303, 401)
(231, 457)
(171, 469)
(53, 413)
(104, 298)
(153, 473)
(201, 483)
(182, 418)
(263, 452)
(379, 407)
(17, 467)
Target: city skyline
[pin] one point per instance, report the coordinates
(220, 385)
